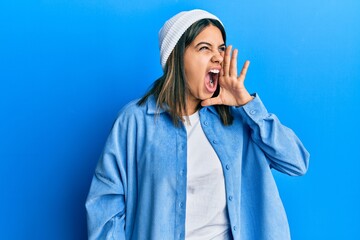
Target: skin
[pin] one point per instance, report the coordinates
(206, 52)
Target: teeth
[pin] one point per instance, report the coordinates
(214, 71)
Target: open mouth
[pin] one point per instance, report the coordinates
(212, 79)
(214, 76)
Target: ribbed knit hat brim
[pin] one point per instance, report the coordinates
(175, 27)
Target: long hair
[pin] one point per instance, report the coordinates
(170, 89)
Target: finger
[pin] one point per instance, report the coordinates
(221, 74)
(226, 63)
(233, 63)
(211, 101)
(244, 70)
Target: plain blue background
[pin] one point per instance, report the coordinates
(67, 67)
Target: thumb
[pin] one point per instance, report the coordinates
(211, 101)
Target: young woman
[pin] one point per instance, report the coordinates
(192, 159)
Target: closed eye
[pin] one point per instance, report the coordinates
(204, 48)
(207, 46)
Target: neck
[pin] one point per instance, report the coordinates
(191, 108)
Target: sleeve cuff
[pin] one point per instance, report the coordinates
(252, 112)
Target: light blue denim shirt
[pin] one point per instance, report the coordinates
(139, 187)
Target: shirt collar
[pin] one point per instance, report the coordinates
(211, 109)
(152, 108)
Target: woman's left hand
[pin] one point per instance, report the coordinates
(232, 88)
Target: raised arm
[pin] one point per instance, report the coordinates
(279, 143)
(282, 147)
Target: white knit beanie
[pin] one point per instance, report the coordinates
(175, 27)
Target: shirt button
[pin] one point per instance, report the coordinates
(206, 123)
(181, 205)
(252, 112)
(230, 198)
(227, 166)
(215, 141)
(234, 228)
(181, 172)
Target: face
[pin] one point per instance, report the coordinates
(202, 65)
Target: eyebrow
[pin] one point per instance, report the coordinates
(206, 43)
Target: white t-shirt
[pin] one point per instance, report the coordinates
(206, 213)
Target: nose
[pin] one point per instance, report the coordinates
(217, 57)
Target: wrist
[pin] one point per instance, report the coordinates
(244, 100)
